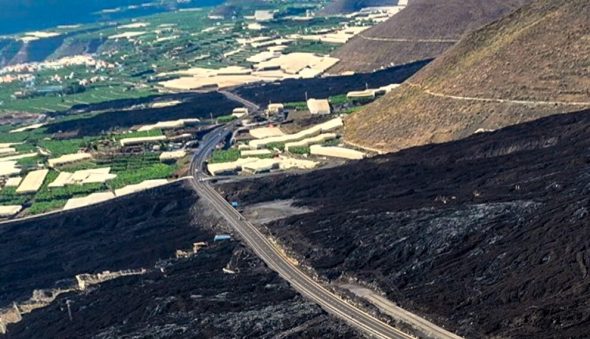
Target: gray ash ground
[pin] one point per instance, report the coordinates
(487, 236)
(189, 297)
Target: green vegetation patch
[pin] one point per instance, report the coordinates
(61, 147)
(333, 142)
(67, 192)
(8, 196)
(129, 162)
(351, 110)
(226, 118)
(224, 156)
(276, 145)
(46, 206)
(139, 134)
(340, 99)
(316, 47)
(298, 105)
(132, 177)
(30, 163)
(299, 150)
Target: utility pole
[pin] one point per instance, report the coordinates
(68, 302)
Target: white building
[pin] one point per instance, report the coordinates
(319, 106)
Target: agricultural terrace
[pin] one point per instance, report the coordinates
(78, 167)
(289, 139)
(131, 57)
(89, 125)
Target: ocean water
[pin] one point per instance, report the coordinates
(29, 15)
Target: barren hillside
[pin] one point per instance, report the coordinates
(532, 63)
(423, 30)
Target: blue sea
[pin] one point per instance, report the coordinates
(29, 15)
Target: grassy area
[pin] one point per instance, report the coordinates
(333, 142)
(316, 47)
(264, 156)
(8, 196)
(78, 166)
(25, 148)
(340, 99)
(299, 150)
(276, 145)
(131, 162)
(29, 163)
(132, 177)
(352, 110)
(298, 105)
(46, 206)
(61, 147)
(52, 103)
(67, 192)
(225, 119)
(7, 137)
(224, 156)
(133, 169)
(142, 134)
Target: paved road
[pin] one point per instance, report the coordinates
(273, 257)
(252, 107)
(425, 326)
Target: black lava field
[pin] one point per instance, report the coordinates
(180, 298)
(488, 236)
(295, 89)
(122, 114)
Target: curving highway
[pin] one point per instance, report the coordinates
(305, 285)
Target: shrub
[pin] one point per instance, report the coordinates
(276, 145)
(299, 150)
(226, 118)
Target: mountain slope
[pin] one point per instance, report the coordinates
(530, 64)
(487, 235)
(423, 30)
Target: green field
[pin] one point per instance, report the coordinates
(224, 156)
(133, 69)
(299, 150)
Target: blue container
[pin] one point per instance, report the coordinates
(222, 237)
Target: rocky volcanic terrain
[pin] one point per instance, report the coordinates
(423, 30)
(532, 63)
(296, 89)
(487, 236)
(159, 292)
(126, 113)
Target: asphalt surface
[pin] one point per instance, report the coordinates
(305, 285)
(252, 107)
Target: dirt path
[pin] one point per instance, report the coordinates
(446, 41)
(504, 101)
